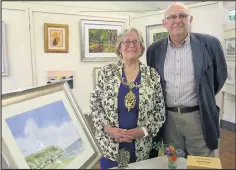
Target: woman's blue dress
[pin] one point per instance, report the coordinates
(127, 120)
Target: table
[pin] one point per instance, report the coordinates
(160, 162)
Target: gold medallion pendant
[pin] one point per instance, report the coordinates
(130, 100)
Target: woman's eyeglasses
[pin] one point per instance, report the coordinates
(128, 42)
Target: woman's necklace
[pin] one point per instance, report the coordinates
(130, 98)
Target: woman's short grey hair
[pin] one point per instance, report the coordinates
(122, 35)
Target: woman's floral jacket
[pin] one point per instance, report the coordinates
(104, 109)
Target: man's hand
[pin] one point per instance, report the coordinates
(136, 133)
(120, 135)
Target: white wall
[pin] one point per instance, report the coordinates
(18, 49)
(27, 61)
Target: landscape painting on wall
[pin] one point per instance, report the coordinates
(98, 40)
(159, 35)
(46, 136)
(102, 40)
(155, 33)
(55, 76)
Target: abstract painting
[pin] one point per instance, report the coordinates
(56, 38)
(55, 76)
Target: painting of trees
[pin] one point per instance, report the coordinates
(102, 40)
(160, 35)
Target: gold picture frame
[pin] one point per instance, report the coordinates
(56, 38)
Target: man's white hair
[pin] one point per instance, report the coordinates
(175, 3)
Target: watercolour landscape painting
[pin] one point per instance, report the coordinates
(102, 40)
(46, 136)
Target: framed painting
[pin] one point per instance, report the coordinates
(4, 51)
(55, 76)
(98, 40)
(230, 47)
(229, 15)
(231, 74)
(155, 33)
(56, 38)
(96, 73)
(44, 128)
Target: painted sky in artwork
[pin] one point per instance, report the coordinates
(41, 127)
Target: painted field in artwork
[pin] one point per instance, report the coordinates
(102, 40)
(158, 36)
(46, 136)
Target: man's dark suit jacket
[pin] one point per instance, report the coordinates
(210, 73)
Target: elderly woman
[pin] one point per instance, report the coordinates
(127, 103)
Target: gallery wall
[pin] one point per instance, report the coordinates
(28, 64)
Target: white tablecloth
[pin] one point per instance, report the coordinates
(160, 162)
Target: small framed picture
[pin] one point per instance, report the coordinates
(231, 74)
(44, 128)
(56, 38)
(5, 68)
(230, 46)
(96, 73)
(229, 15)
(98, 40)
(55, 76)
(155, 33)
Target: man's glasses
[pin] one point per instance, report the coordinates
(174, 17)
(128, 42)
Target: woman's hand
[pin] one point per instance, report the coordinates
(136, 133)
(120, 135)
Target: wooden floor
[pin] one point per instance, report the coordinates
(227, 150)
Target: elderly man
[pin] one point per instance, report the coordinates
(193, 70)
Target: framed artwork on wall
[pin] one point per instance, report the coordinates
(55, 76)
(96, 73)
(43, 128)
(155, 33)
(98, 40)
(56, 38)
(5, 69)
(229, 15)
(230, 47)
(231, 74)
